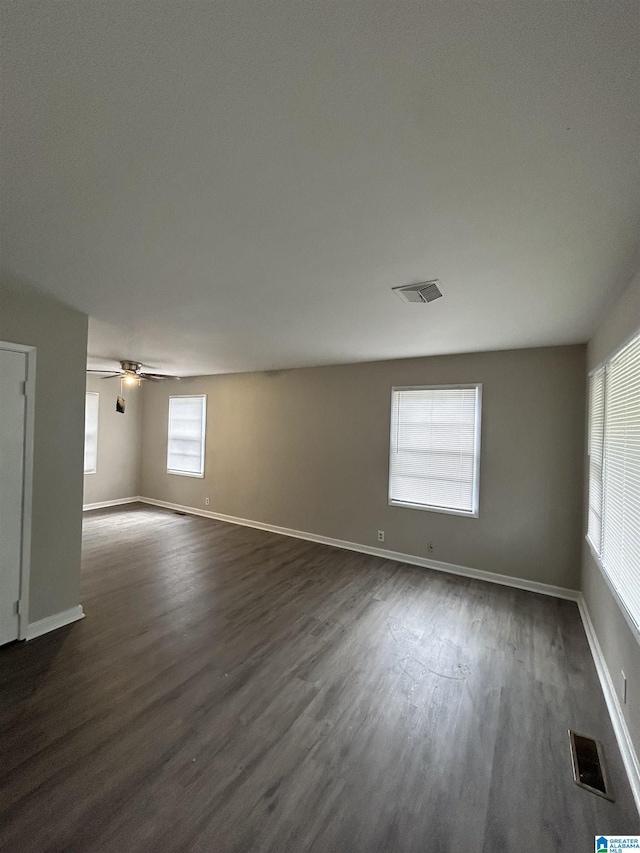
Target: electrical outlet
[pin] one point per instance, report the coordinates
(206, 502)
(624, 687)
(431, 547)
(380, 535)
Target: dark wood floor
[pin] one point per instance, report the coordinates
(234, 690)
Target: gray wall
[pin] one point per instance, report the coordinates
(308, 449)
(60, 335)
(620, 645)
(118, 469)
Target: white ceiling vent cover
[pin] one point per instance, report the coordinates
(425, 291)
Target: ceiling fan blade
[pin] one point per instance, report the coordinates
(110, 372)
(156, 377)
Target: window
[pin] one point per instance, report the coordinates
(614, 474)
(91, 432)
(435, 448)
(185, 446)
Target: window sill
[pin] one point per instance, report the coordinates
(427, 508)
(186, 474)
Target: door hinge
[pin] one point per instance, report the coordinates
(23, 388)
(19, 608)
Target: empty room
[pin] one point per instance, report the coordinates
(319, 426)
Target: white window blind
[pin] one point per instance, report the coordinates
(91, 402)
(187, 426)
(620, 545)
(435, 448)
(596, 450)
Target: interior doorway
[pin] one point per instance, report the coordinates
(17, 374)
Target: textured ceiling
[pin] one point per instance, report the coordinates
(237, 186)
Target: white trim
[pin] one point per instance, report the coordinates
(116, 502)
(27, 494)
(58, 620)
(629, 756)
(27, 482)
(16, 347)
(430, 508)
(424, 562)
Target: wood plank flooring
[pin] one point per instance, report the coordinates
(235, 690)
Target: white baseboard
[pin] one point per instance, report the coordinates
(58, 620)
(424, 562)
(629, 756)
(116, 502)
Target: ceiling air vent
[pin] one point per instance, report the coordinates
(425, 291)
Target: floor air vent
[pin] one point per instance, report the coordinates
(589, 768)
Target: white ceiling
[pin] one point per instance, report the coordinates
(229, 186)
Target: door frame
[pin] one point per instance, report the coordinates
(27, 483)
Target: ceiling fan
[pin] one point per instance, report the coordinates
(131, 372)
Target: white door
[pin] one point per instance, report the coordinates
(13, 375)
